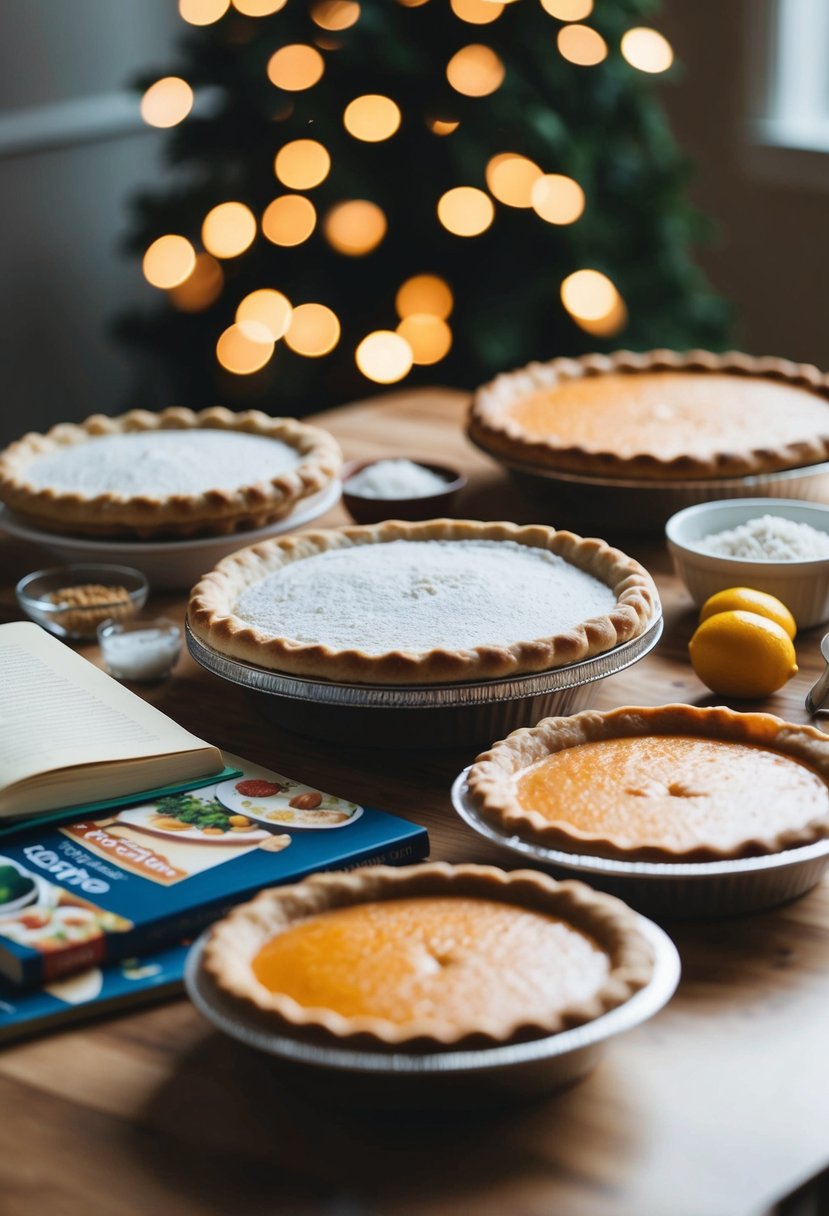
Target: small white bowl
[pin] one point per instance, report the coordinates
(803, 586)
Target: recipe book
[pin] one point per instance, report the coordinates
(71, 736)
(106, 887)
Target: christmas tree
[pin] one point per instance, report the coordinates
(373, 192)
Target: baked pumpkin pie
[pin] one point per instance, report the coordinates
(429, 957)
(422, 603)
(173, 473)
(672, 783)
(662, 415)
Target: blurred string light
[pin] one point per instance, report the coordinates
(258, 8)
(268, 308)
(593, 302)
(424, 293)
(581, 45)
(372, 117)
(477, 12)
(302, 164)
(167, 102)
(429, 337)
(201, 288)
(355, 228)
(465, 211)
(568, 10)
(169, 261)
(289, 220)
(384, 357)
(314, 330)
(295, 67)
(647, 50)
(557, 199)
(244, 348)
(412, 3)
(441, 126)
(511, 177)
(228, 230)
(202, 12)
(335, 15)
(475, 71)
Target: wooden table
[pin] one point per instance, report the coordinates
(717, 1107)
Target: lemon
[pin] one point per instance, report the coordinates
(746, 599)
(742, 654)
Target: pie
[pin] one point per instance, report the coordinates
(430, 957)
(174, 473)
(656, 416)
(671, 783)
(422, 603)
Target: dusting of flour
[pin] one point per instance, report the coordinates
(418, 595)
(159, 463)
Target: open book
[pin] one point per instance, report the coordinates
(71, 735)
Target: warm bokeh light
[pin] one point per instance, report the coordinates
(429, 337)
(295, 67)
(259, 8)
(384, 357)
(266, 307)
(440, 126)
(169, 261)
(568, 10)
(314, 330)
(582, 45)
(475, 71)
(167, 102)
(412, 3)
(608, 325)
(355, 227)
(244, 348)
(557, 199)
(477, 12)
(228, 230)
(647, 50)
(466, 211)
(424, 293)
(335, 14)
(371, 118)
(302, 164)
(289, 219)
(510, 178)
(200, 289)
(202, 12)
(589, 295)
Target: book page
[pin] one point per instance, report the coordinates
(58, 710)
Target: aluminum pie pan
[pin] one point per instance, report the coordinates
(519, 1069)
(682, 889)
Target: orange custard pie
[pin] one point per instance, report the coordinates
(432, 956)
(656, 416)
(673, 783)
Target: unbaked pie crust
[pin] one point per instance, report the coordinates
(240, 607)
(441, 1018)
(84, 500)
(659, 415)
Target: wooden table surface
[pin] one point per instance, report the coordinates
(719, 1105)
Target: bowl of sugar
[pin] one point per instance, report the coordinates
(395, 488)
(777, 545)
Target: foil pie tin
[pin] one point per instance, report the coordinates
(447, 1077)
(673, 889)
(435, 715)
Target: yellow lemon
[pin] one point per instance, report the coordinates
(746, 599)
(742, 654)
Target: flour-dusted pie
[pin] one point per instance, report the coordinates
(422, 603)
(430, 957)
(661, 415)
(175, 473)
(670, 783)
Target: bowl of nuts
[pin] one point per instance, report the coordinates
(72, 601)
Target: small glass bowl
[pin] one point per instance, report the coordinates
(77, 616)
(365, 510)
(143, 650)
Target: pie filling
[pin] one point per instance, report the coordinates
(161, 463)
(424, 595)
(433, 958)
(674, 792)
(670, 414)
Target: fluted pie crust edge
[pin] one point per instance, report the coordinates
(501, 436)
(492, 778)
(212, 619)
(235, 941)
(214, 512)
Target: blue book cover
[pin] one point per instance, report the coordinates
(103, 888)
